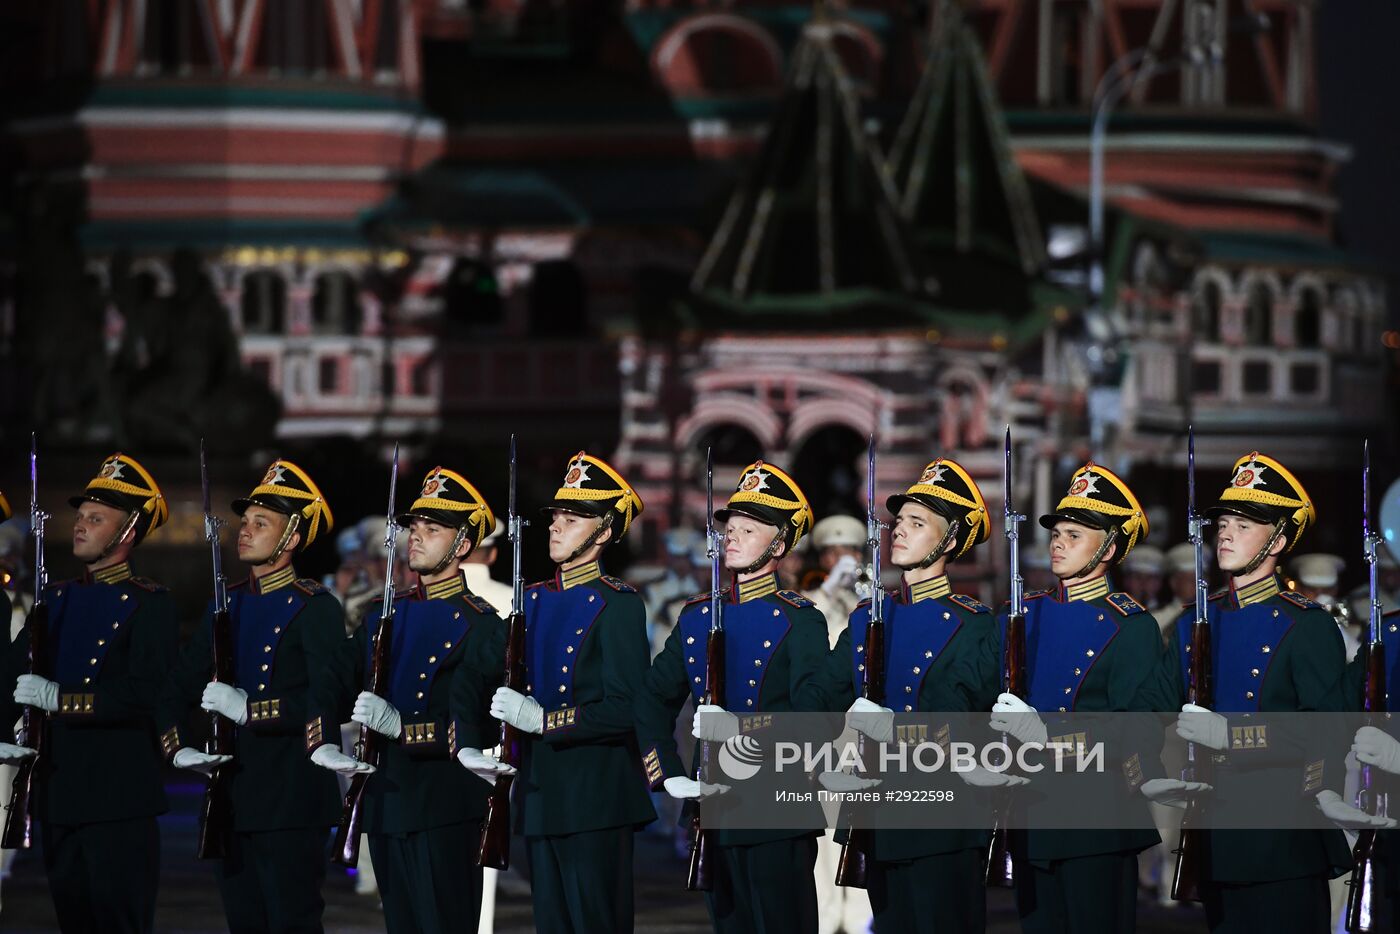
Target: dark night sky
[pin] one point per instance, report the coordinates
(1357, 77)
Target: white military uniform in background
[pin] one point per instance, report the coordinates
(839, 908)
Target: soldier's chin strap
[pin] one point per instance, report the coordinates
(1094, 562)
(451, 556)
(603, 525)
(293, 523)
(121, 535)
(765, 557)
(944, 547)
(1258, 559)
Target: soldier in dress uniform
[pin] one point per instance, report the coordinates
(1088, 649)
(112, 642)
(1274, 650)
(585, 653)
(775, 653)
(422, 810)
(933, 638)
(284, 632)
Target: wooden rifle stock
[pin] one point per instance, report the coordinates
(494, 852)
(859, 849)
(371, 746)
(1190, 853)
(216, 816)
(998, 869)
(1363, 872)
(700, 874)
(19, 814)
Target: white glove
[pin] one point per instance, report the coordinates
(1198, 725)
(1378, 748)
(1347, 817)
(196, 761)
(714, 724)
(227, 700)
(487, 768)
(684, 788)
(1012, 715)
(519, 710)
(379, 715)
(979, 777)
(845, 781)
(842, 576)
(1172, 792)
(870, 719)
(10, 754)
(329, 757)
(37, 692)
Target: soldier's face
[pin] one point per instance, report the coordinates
(1238, 540)
(259, 531)
(428, 543)
(745, 541)
(93, 529)
(917, 531)
(1072, 546)
(567, 533)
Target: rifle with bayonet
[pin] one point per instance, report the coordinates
(1013, 674)
(370, 745)
(19, 814)
(216, 816)
(1369, 798)
(495, 833)
(700, 872)
(1186, 880)
(859, 848)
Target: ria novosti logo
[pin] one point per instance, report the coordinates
(740, 757)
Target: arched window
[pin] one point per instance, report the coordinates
(830, 469)
(733, 445)
(1259, 316)
(264, 302)
(715, 55)
(1307, 320)
(1205, 313)
(335, 304)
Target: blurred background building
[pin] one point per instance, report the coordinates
(644, 228)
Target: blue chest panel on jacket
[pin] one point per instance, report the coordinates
(1063, 642)
(915, 636)
(425, 633)
(556, 624)
(1392, 662)
(1243, 643)
(752, 633)
(85, 619)
(257, 623)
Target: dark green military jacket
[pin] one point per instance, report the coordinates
(586, 653)
(284, 633)
(1088, 650)
(933, 638)
(112, 642)
(775, 661)
(1272, 651)
(444, 663)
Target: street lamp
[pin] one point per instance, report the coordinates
(1116, 82)
(1112, 86)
